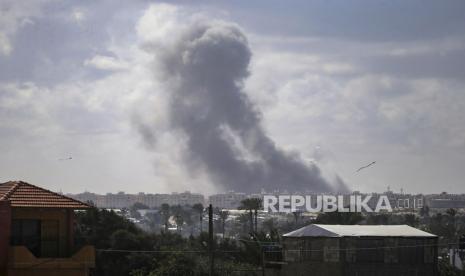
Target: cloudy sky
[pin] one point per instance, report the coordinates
(338, 83)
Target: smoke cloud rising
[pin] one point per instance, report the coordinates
(203, 71)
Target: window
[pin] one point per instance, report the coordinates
(40, 237)
(27, 232)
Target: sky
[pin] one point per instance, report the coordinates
(86, 95)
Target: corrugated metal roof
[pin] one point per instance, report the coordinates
(325, 230)
(22, 194)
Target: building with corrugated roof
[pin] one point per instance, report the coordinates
(36, 236)
(359, 250)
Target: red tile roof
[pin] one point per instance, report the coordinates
(22, 194)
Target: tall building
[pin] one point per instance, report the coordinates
(229, 200)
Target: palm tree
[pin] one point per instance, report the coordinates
(451, 212)
(256, 204)
(269, 225)
(243, 220)
(165, 212)
(224, 214)
(297, 215)
(252, 205)
(178, 216)
(424, 211)
(198, 207)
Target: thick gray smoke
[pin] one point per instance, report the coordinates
(204, 73)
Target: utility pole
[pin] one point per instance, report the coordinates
(210, 238)
(263, 260)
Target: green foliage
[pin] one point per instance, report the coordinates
(121, 248)
(252, 205)
(339, 218)
(445, 269)
(165, 213)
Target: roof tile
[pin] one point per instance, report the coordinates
(22, 194)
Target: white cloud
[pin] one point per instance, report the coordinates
(14, 15)
(159, 22)
(106, 63)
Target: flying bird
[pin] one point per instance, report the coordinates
(364, 167)
(63, 159)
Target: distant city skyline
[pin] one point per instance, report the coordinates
(232, 200)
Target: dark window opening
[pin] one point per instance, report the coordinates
(41, 237)
(27, 232)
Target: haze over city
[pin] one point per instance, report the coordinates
(218, 96)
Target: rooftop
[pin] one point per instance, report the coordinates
(324, 230)
(22, 194)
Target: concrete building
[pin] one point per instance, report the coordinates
(36, 233)
(359, 250)
(122, 200)
(119, 200)
(96, 199)
(445, 201)
(186, 198)
(230, 200)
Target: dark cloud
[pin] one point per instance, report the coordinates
(205, 71)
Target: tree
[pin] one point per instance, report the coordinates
(198, 208)
(446, 269)
(297, 215)
(339, 218)
(133, 210)
(424, 211)
(224, 214)
(179, 216)
(377, 219)
(165, 213)
(269, 225)
(123, 239)
(252, 205)
(411, 219)
(452, 221)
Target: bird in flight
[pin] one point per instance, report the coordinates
(63, 159)
(364, 167)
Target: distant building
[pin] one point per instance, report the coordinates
(230, 200)
(97, 200)
(36, 233)
(360, 250)
(186, 198)
(445, 201)
(122, 200)
(440, 203)
(119, 200)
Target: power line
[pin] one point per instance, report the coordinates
(288, 250)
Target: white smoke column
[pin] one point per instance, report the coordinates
(203, 69)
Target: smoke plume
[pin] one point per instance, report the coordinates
(203, 71)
